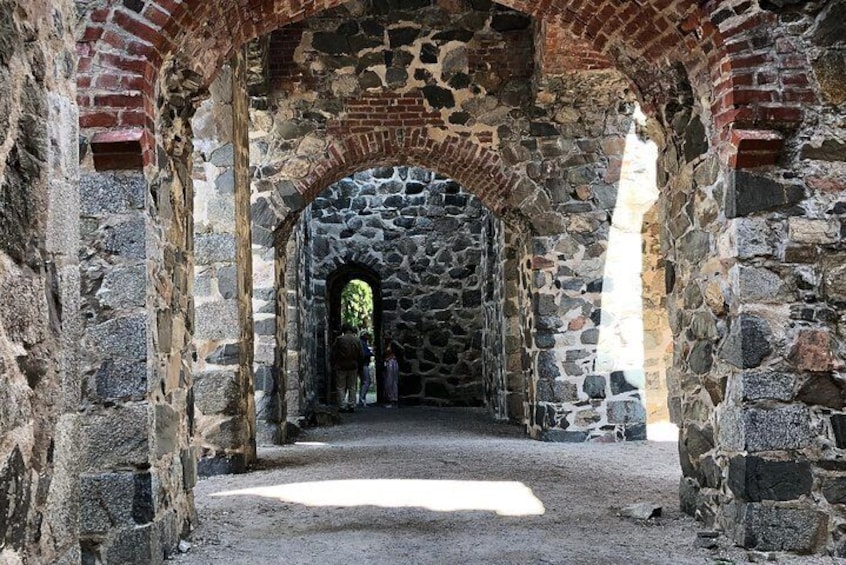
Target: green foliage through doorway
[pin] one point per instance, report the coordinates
(357, 305)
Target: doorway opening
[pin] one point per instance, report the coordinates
(355, 297)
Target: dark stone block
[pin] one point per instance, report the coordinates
(510, 21)
(457, 82)
(462, 35)
(548, 365)
(402, 36)
(471, 299)
(222, 465)
(594, 386)
(754, 479)
(748, 342)
(396, 77)
(542, 129)
(14, 501)
(829, 28)
(331, 43)
(429, 53)
(748, 193)
(188, 458)
(143, 504)
(834, 489)
(438, 97)
(822, 390)
(436, 389)
(545, 340)
(635, 432)
(838, 426)
(620, 384)
(135, 546)
(695, 139)
(830, 150)
(701, 357)
(372, 27)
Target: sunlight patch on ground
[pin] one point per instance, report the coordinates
(312, 443)
(506, 498)
(662, 431)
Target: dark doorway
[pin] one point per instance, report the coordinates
(335, 284)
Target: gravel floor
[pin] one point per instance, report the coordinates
(427, 485)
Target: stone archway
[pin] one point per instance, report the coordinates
(713, 212)
(335, 283)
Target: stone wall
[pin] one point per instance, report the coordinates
(426, 239)
(761, 255)
(39, 284)
(225, 414)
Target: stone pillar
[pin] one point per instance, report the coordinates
(657, 337)
(519, 324)
(39, 285)
(493, 300)
(223, 387)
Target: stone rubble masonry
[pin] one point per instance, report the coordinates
(39, 285)
(751, 206)
(223, 337)
(425, 238)
(716, 43)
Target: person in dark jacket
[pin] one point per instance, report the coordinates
(346, 359)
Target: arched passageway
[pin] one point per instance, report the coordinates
(336, 282)
(525, 104)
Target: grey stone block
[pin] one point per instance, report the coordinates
(124, 287)
(124, 337)
(188, 457)
(117, 379)
(594, 386)
(111, 193)
(626, 412)
(754, 284)
(214, 248)
(217, 392)
(759, 385)
(135, 546)
(227, 282)
(118, 437)
(783, 428)
(126, 238)
(771, 528)
(217, 320)
(563, 436)
(167, 430)
(748, 342)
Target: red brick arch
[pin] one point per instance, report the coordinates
(478, 169)
(124, 44)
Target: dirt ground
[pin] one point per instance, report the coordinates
(449, 486)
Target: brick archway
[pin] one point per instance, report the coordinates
(123, 47)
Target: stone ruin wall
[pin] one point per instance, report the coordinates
(39, 285)
(426, 238)
(755, 288)
(452, 71)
